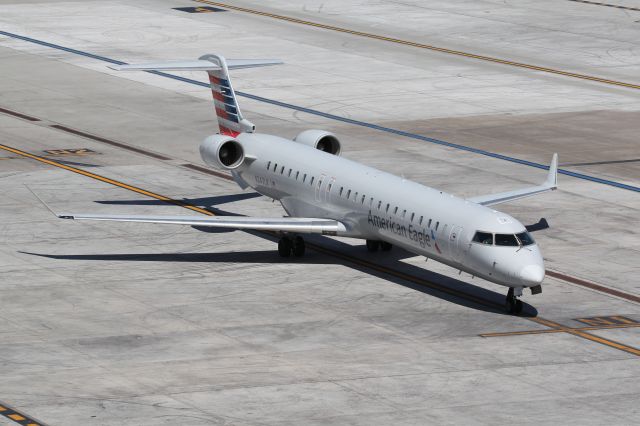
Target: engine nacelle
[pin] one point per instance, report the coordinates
(222, 151)
(320, 139)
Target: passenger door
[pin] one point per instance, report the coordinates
(455, 245)
(318, 188)
(327, 190)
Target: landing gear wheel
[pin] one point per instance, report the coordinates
(373, 245)
(513, 305)
(285, 246)
(298, 246)
(518, 306)
(385, 246)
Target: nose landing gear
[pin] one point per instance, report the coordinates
(513, 305)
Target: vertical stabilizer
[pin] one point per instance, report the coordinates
(230, 118)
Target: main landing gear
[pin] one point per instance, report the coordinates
(374, 245)
(513, 305)
(288, 246)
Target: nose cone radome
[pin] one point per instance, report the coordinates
(532, 275)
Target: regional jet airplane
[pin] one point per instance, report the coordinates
(324, 193)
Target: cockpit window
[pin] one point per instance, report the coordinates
(506, 240)
(483, 238)
(525, 238)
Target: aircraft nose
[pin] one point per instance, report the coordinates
(532, 275)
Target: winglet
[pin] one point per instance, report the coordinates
(552, 177)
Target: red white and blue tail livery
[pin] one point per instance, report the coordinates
(230, 120)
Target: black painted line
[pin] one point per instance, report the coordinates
(109, 142)
(19, 114)
(595, 3)
(597, 163)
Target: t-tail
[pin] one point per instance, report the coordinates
(230, 119)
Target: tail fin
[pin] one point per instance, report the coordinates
(230, 118)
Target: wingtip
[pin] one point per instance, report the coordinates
(552, 177)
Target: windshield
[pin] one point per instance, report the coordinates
(525, 238)
(506, 240)
(485, 238)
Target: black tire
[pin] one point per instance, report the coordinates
(373, 245)
(298, 246)
(285, 247)
(518, 307)
(385, 246)
(509, 306)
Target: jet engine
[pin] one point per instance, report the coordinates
(320, 139)
(222, 151)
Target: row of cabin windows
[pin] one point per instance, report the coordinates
(290, 172)
(348, 194)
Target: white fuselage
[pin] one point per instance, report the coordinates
(376, 205)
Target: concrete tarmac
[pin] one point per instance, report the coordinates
(141, 324)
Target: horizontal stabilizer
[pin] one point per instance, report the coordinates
(196, 65)
(550, 184)
(281, 224)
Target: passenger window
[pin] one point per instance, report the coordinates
(329, 187)
(362, 201)
(311, 182)
(506, 240)
(282, 170)
(387, 208)
(355, 197)
(421, 217)
(319, 183)
(395, 210)
(379, 204)
(297, 174)
(437, 224)
(290, 172)
(341, 189)
(275, 167)
(371, 202)
(304, 178)
(348, 194)
(525, 238)
(483, 238)
(268, 165)
(429, 225)
(404, 213)
(412, 215)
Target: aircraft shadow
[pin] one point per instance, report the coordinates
(455, 291)
(200, 202)
(75, 163)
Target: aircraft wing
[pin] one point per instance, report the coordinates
(550, 184)
(282, 224)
